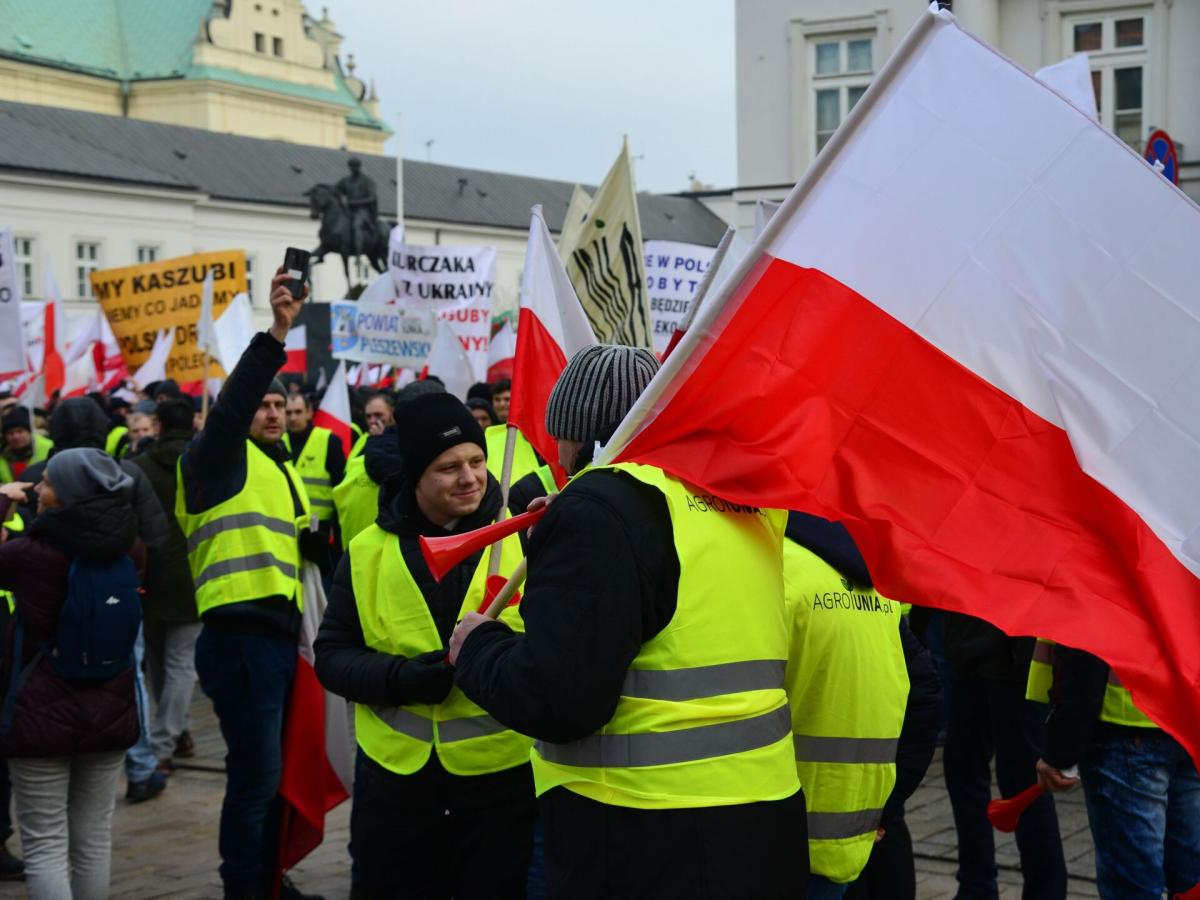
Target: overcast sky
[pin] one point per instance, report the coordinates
(545, 88)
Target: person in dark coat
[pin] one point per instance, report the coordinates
(66, 740)
(171, 621)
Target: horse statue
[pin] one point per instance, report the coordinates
(325, 202)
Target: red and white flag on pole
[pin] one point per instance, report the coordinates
(551, 328)
(296, 347)
(334, 411)
(501, 350)
(80, 377)
(318, 755)
(951, 340)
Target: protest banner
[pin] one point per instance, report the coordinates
(12, 343)
(381, 333)
(673, 272)
(455, 283)
(139, 301)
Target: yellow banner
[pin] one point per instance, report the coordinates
(139, 301)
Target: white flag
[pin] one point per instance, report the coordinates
(233, 332)
(448, 361)
(12, 341)
(155, 367)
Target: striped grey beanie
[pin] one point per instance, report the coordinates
(596, 390)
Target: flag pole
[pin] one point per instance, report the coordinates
(515, 580)
(707, 280)
(204, 389)
(510, 449)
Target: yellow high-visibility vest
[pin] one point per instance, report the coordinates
(1118, 708)
(524, 458)
(702, 719)
(311, 467)
(356, 499)
(847, 686)
(15, 524)
(113, 441)
(396, 619)
(41, 449)
(246, 547)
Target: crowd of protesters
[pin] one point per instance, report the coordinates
(689, 699)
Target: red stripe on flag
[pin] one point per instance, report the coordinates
(297, 362)
(308, 784)
(805, 395)
(539, 362)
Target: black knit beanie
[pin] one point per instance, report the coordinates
(432, 425)
(596, 390)
(17, 417)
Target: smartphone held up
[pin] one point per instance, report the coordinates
(296, 264)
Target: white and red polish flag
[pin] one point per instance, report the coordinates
(318, 754)
(296, 347)
(54, 369)
(502, 349)
(959, 337)
(551, 328)
(334, 411)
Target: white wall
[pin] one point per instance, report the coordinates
(775, 93)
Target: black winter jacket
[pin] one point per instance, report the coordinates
(603, 580)
(170, 597)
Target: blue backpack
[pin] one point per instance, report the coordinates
(99, 622)
(97, 629)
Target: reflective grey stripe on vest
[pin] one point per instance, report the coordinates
(463, 729)
(319, 482)
(810, 748)
(244, 564)
(660, 748)
(235, 521)
(1043, 653)
(705, 681)
(830, 826)
(408, 723)
(312, 501)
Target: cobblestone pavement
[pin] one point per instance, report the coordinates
(167, 847)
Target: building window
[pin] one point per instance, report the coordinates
(260, 42)
(250, 279)
(87, 261)
(277, 46)
(1116, 46)
(23, 250)
(147, 253)
(841, 72)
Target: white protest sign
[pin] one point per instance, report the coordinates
(380, 333)
(673, 272)
(454, 282)
(12, 343)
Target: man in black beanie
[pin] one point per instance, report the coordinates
(651, 671)
(443, 794)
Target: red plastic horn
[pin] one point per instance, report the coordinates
(1193, 894)
(1005, 814)
(444, 553)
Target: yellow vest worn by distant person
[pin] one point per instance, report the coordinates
(247, 547)
(356, 498)
(311, 467)
(524, 458)
(847, 686)
(41, 449)
(703, 718)
(396, 619)
(1118, 707)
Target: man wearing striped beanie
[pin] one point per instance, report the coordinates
(650, 672)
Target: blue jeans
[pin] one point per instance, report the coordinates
(140, 761)
(821, 888)
(248, 678)
(1143, 804)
